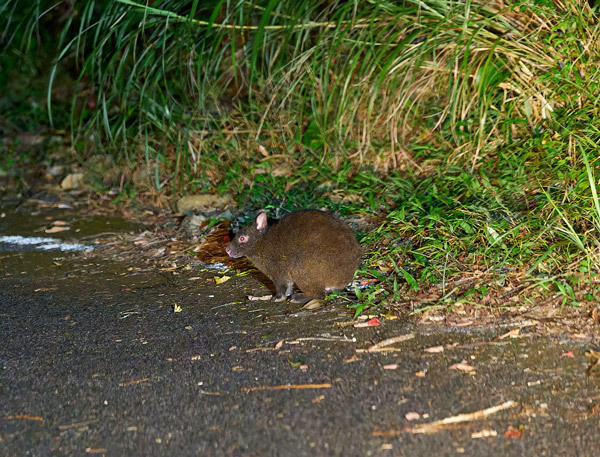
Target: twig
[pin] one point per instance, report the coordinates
(205, 392)
(77, 424)
(433, 427)
(442, 424)
(326, 385)
(25, 417)
(321, 338)
(383, 345)
(135, 381)
(339, 339)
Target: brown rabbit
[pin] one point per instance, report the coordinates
(312, 249)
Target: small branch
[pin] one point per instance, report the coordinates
(442, 424)
(77, 424)
(433, 427)
(326, 385)
(135, 381)
(24, 417)
(382, 346)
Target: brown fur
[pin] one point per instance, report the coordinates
(309, 248)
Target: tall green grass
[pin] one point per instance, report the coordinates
(368, 80)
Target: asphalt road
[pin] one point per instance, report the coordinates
(94, 361)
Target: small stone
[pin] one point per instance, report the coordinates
(203, 203)
(72, 181)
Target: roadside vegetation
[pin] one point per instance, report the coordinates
(465, 132)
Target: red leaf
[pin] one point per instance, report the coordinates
(512, 432)
(373, 322)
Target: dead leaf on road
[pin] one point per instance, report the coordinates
(512, 432)
(462, 366)
(374, 322)
(514, 333)
(484, 434)
(57, 228)
(412, 416)
(261, 298)
(315, 303)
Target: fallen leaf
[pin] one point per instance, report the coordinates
(593, 357)
(391, 366)
(568, 354)
(373, 322)
(484, 434)
(222, 279)
(462, 324)
(512, 432)
(263, 150)
(361, 325)
(595, 314)
(203, 203)
(56, 229)
(315, 303)
(462, 366)
(434, 349)
(340, 196)
(579, 336)
(262, 298)
(282, 170)
(212, 250)
(512, 334)
(354, 358)
(412, 416)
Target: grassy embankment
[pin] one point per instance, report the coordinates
(466, 129)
